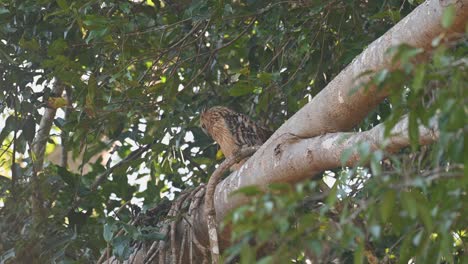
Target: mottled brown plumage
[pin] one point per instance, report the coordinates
(232, 130)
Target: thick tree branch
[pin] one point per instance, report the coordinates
(335, 109)
(291, 159)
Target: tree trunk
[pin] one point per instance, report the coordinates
(37, 152)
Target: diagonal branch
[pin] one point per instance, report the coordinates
(337, 107)
(290, 159)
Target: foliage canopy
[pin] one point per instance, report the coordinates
(136, 75)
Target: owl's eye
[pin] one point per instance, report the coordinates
(203, 127)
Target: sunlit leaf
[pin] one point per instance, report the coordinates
(448, 16)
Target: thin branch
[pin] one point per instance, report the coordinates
(14, 176)
(64, 134)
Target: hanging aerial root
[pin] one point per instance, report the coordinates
(210, 213)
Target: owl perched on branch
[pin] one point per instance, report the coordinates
(232, 130)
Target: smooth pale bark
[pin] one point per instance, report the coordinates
(333, 109)
(290, 159)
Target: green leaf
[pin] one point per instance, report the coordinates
(108, 232)
(364, 150)
(332, 195)
(67, 176)
(359, 254)
(249, 191)
(29, 128)
(409, 204)
(413, 130)
(417, 238)
(63, 4)
(346, 155)
(10, 125)
(387, 205)
(418, 78)
(4, 10)
(265, 77)
(247, 255)
(58, 47)
(375, 165)
(121, 246)
(405, 250)
(448, 16)
(381, 76)
(228, 9)
(266, 260)
(241, 88)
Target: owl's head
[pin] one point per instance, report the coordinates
(213, 119)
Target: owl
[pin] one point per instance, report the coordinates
(232, 130)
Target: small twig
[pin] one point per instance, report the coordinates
(210, 213)
(281, 50)
(64, 134)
